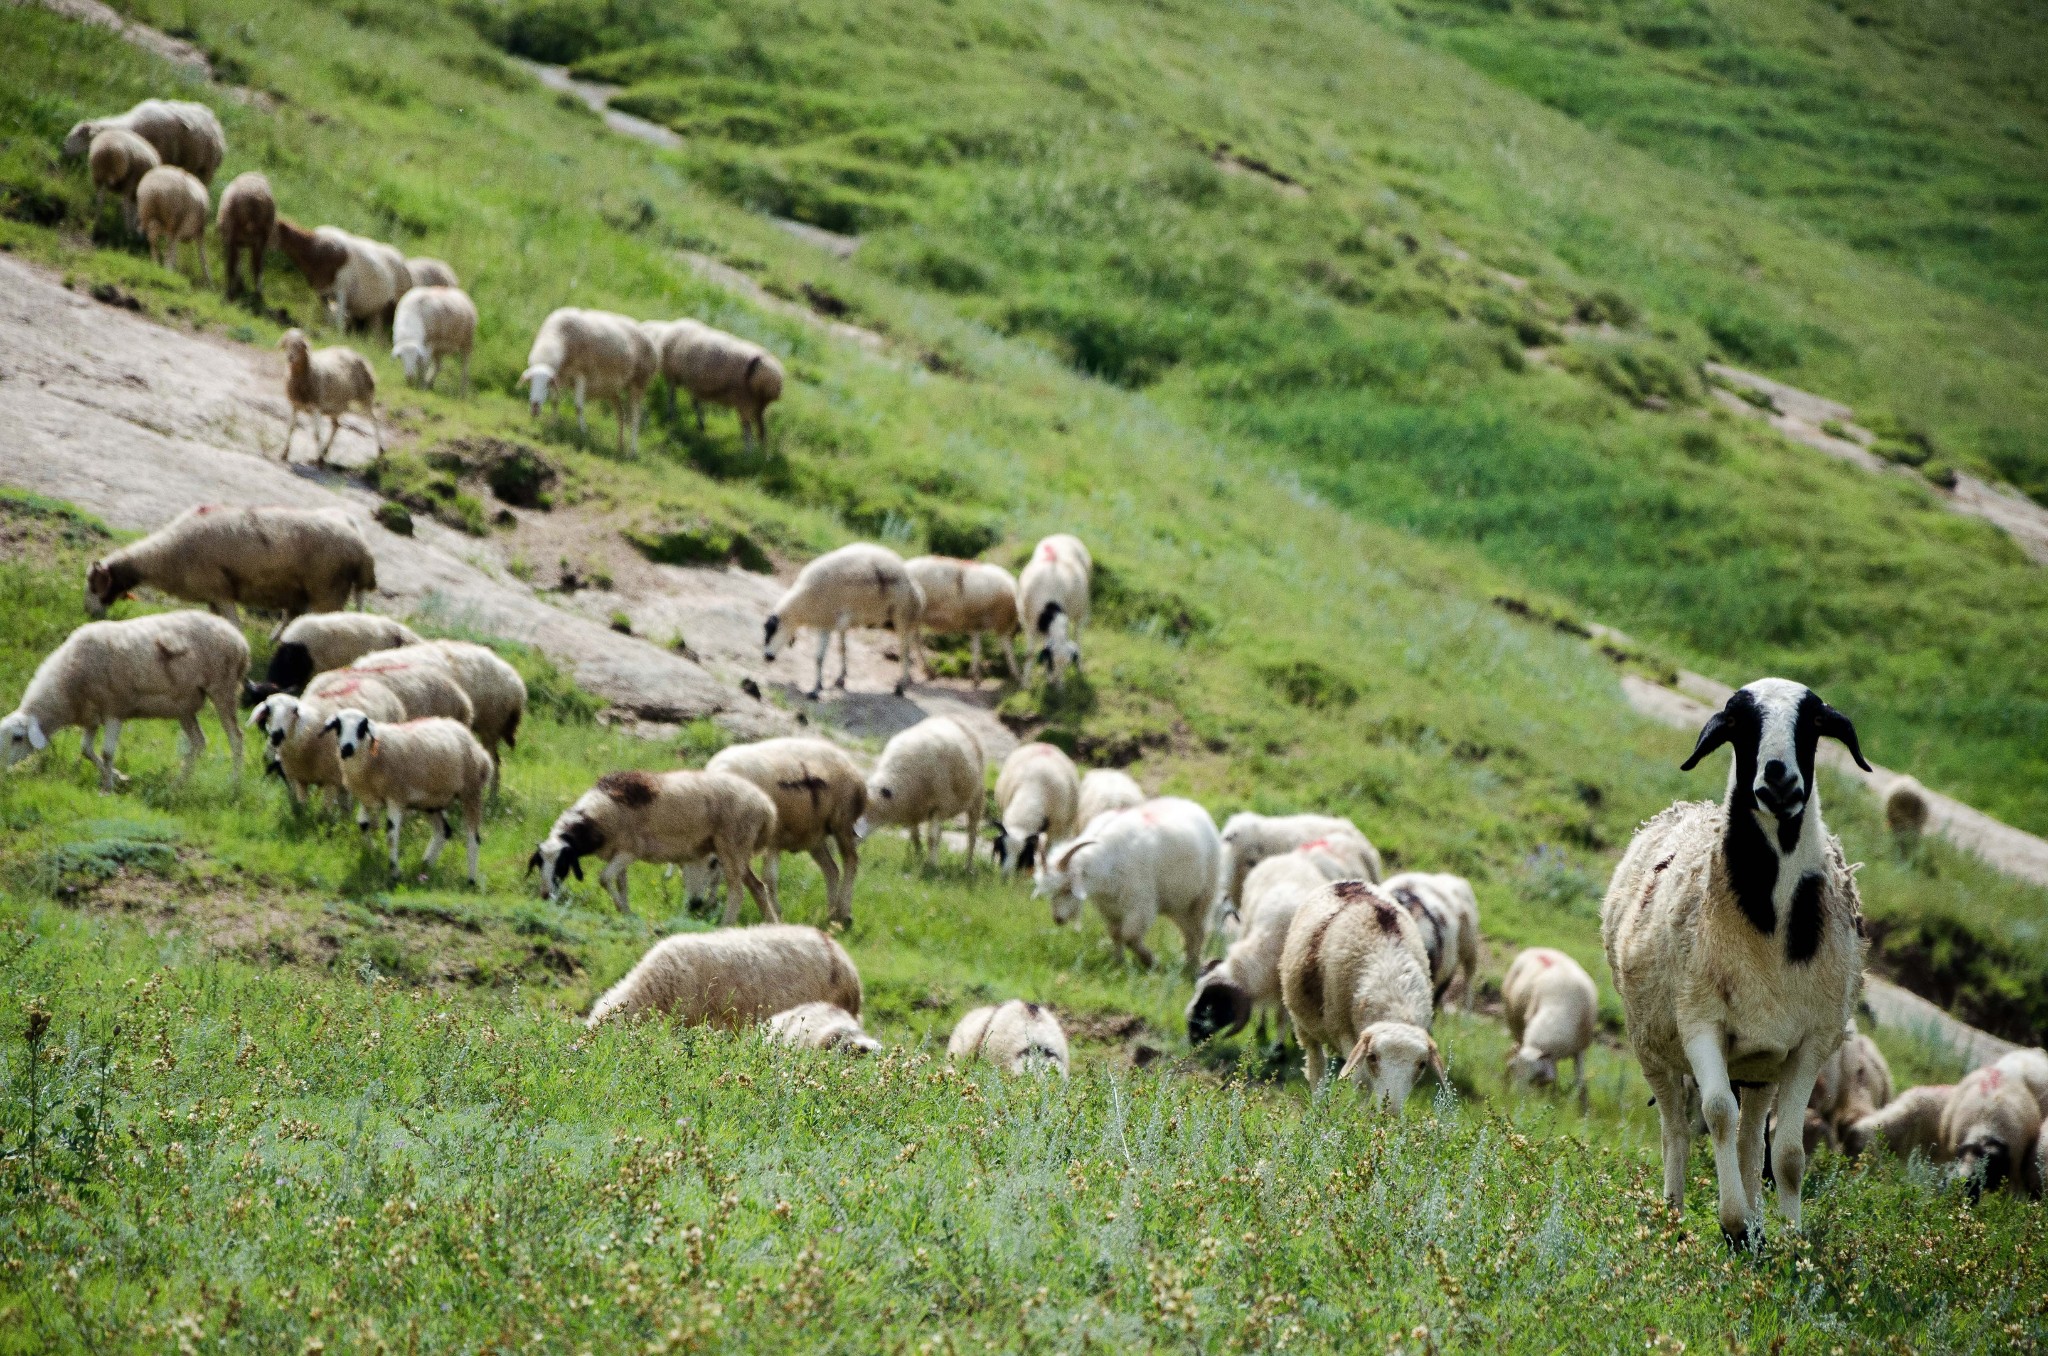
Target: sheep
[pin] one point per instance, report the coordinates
(1550, 1004)
(857, 585)
(425, 272)
(285, 559)
(171, 207)
(299, 748)
(1855, 1082)
(1038, 802)
(734, 977)
(1988, 1129)
(1447, 912)
(1354, 977)
(117, 161)
(431, 764)
(1734, 933)
(430, 324)
(2030, 1066)
(319, 253)
(926, 775)
(593, 354)
(821, 1026)
(325, 381)
(496, 692)
(162, 667)
(970, 596)
(1052, 604)
(671, 817)
(1162, 857)
(1909, 1123)
(245, 220)
(185, 134)
(1906, 810)
(320, 641)
(419, 676)
(1017, 1037)
(1104, 789)
(1251, 838)
(819, 797)
(719, 367)
(360, 279)
(1247, 978)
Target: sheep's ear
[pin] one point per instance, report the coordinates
(576, 868)
(1358, 1053)
(1713, 735)
(533, 862)
(1835, 725)
(36, 738)
(1436, 1062)
(333, 726)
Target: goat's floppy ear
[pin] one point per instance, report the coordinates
(37, 740)
(1436, 1062)
(1835, 725)
(533, 862)
(1358, 1052)
(1712, 736)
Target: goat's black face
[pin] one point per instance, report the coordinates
(1219, 1010)
(1773, 726)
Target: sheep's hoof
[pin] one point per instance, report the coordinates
(1743, 1239)
(901, 688)
(815, 693)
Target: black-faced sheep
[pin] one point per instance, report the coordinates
(674, 818)
(926, 775)
(300, 747)
(432, 765)
(1038, 802)
(858, 585)
(320, 641)
(1052, 604)
(284, 559)
(1247, 978)
(734, 977)
(1988, 1128)
(1447, 912)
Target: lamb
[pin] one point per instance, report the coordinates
(857, 585)
(285, 559)
(1447, 912)
(1550, 1004)
(320, 641)
(1251, 838)
(1017, 1037)
(1052, 604)
(117, 160)
(246, 218)
(1734, 933)
(1988, 1128)
(185, 134)
(821, 1026)
(300, 750)
(819, 797)
(971, 597)
(1910, 1123)
(1248, 977)
(1354, 978)
(1159, 858)
(326, 381)
(1854, 1083)
(734, 977)
(171, 207)
(719, 367)
(1906, 810)
(926, 775)
(162, 667)
(593, 354)
(431, 323)
(432, 764)
(672, 817)
(1104, 789)
(1038, 800)
(425, 272)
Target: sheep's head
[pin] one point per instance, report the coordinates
(1390, 1058)
(21, 734)
(292, 343)
(538, 380)
(103, 585)
(79, 139)
(773, 638)
(1984, 1163)
(413, 358)
(1530, 1067)
(700, 878)
(1220, 1006)
(886, 804)
(1773, 725)
(276, 716)
(560, 855)
(1057, 879)
(1017, 851)
(353, 731)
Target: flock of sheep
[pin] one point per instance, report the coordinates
(1732, 928)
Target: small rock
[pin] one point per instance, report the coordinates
(751, 688)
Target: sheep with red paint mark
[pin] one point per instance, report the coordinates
(1052, 604)
(1356, 980)
(1551, 1005)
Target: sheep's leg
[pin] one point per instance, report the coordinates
(224, 709)
(394, 819)
(1579, 1073)
(582, 427)
(171, 252)
(974, 669)
(824, 646)
(849, 861)
(1009, 644)
(204, 271)
(1788, 1154)
(614, 880)
(333, 427)
(376, 428)
(821, 853)
(90, 755)
(290, 429)
(973, 829)
(907, 639)
(845, 637)
(256, 270)
(744, 869)
(436, 843)
(1718, 1105)
(1192, 938)
(931, 846)
(1313, 1062)
(771, 877)
(916, 844)
(698, 406)
(1749, 1146)
(195, 743)
(1668, 1090)
(473, 832)
(110, 777)
(465, 375)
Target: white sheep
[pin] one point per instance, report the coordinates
(857, 585)
(171, 207)
(1447, 912)
(320, 641)
(245, 219)
(1855, 1082)
(431, 323)
(1906, 809)
(1038, 802)
(426, 272)
(1988, 1129)
(1017, 1037)
(432, 765)
(820, 796)
(1251, 838)
(326, 381)
(1734, 933)
(2029, 1066)
(162, 667)
(671, 817)
(420, 678)
(496, 692)
(821, 1026)
(1247, 978)
(594, 355)
(117, 161)
(972, 598)
(1909, 1123)
(721, 368)
(1162, 858)
(283, 559)
(301, 749)
(187, 135)
(1551, 1004)
(371, 283)
(1104, 789)
(1052, 603)
(734, 977)
(1354, 978)
(926, 775)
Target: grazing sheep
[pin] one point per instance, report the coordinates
(170, 206)
(819, 797)
(1910, 1123)
(821, 1026)
(1104, 789)
(283, 559)
(719, 367)
(360, 279)
(2030, 1066)
(926, 775)
(1354, 978)
(163, 667)
(593, 354)
(320, 641)
(431, 764)
(246, 218)
(496, 692)
(1251, 838)
(118, 160)
(1017, 1037)
(970, 597)
(326, 381)
(669, 817)
(420, 678)
(1229, 990)
(1855, 1082)
(1159, 858)
(184, 134)
(1447, 912)
(858, 585)
(425, 272)
(1550, 1004)
(319, 253)
(301, 750)
(1038, 800)
(734, 977)
(431, 323)
(1988, 1128)
(1906, 810)
(1734, 933)
(1052, 604)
